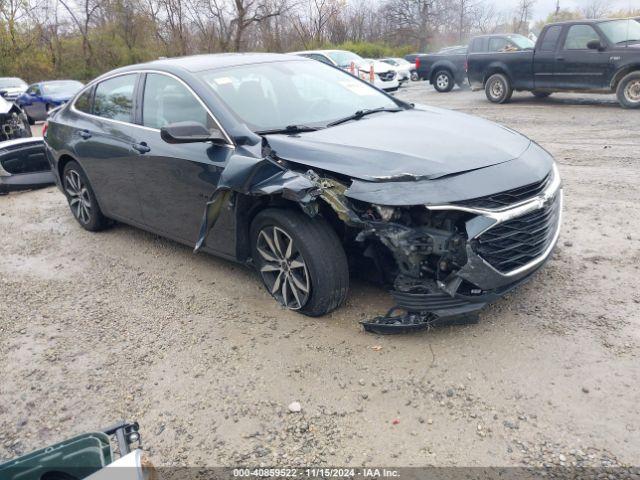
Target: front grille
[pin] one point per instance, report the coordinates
(516, 242)
(387, 76)
(509, 197)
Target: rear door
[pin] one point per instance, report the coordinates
(578, 67)
(177, 180)
(545, 57)
(104, 140)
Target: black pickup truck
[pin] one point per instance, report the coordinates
(443, 69)
(596, 56)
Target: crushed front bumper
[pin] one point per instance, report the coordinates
(504, 248)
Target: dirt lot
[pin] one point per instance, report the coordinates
(123, 324)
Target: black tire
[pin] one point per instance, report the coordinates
(443, 81)
(628, 91)
(325, 273)
(541, 94)
(414, 76)
(498, 88)
(82, 201)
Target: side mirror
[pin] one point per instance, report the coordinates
(3, 93)
(595, 45)
(190, 132)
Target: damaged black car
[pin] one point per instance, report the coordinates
(307, 173)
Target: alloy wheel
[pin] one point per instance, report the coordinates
(442, 81)
(632, 91)
(283, 268)
(79, 199)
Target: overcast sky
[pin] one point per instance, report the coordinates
(544, 7)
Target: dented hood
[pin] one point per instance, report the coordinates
(415, 144)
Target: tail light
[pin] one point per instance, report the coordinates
(44, 129)
(417, 63)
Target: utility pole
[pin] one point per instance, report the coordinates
(557, 8)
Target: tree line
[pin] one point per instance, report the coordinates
(80, 39)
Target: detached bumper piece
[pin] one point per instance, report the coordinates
(419, 311)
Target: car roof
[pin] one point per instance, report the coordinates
(204, 62)
(587, 20)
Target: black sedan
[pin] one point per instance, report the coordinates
(304, 171)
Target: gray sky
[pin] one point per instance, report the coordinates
(544, 7)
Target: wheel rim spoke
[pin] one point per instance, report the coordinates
(282, 267)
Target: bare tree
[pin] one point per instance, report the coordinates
(596, 8)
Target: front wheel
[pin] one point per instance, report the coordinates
(443, 81)
(628, 91)
(300, 260)
(498, 88)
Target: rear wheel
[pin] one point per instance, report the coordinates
(628, 91)
(82, 201)
(443, 81)
(300, 260)
(498, 88)
(538, 94)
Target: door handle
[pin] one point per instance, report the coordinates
(86, 134)
(141, 147)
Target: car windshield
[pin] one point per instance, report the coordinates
(62, 87)
(12, 82)
(343, 58)
(272, 96)
(621, 31)
(523, 43)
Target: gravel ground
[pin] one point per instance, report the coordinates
(124, 324)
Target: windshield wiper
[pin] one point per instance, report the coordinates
(361, 113)
(289, 129)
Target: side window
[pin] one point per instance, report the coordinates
(498, 44)
(550, 39)
(578, 37)
(167, 101)
(33, 90)
(83, 103)
(114, 98)
(479, 45)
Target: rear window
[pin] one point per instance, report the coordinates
(550, 39)
(479, 45)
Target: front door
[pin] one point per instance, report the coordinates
(177, 180)
(579, 67)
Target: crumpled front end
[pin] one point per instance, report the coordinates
(452, 259)
(447, 246)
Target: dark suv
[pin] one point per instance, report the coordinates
(597, 56)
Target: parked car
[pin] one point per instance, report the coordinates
(596, 56)
(385, 77)
(299, 169)
(24, 165)
(89, 456)
(444, 69)
(13, 121)
(406, 71)
(11, 88)
(40, 98)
